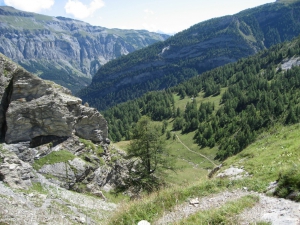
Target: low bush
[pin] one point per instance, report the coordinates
(289, 184)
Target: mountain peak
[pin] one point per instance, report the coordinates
(287, 1)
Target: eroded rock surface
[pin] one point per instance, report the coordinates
(15, 172)
(38, 108)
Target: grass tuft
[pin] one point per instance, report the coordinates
(52, 158)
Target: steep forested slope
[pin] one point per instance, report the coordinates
(200, 48)
(255, 94)
(64, 50)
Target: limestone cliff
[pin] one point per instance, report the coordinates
(64, 50)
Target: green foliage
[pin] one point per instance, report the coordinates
(256, 97)
(122, 118)
(289, 184)
(52, 158)
(149, 157)
(88, 144)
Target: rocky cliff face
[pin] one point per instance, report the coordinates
(33, 108)
(63, 50)
(48, 133)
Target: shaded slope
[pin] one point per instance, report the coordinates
(227, 107)
(200, 48)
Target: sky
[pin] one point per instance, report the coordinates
(167, 16)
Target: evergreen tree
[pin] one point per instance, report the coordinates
(147, 148)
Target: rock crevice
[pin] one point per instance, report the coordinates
(4, 106)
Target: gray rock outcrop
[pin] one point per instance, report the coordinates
(61, 174)
(42, 124)
(33, 108)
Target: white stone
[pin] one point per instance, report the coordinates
(143, 222)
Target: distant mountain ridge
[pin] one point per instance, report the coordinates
(204, 46)
(65, 50)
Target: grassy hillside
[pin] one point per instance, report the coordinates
(275, 152)
(245, 115)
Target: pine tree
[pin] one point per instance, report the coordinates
(151, 158)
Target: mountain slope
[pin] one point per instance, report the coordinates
(64, 50)
(202, 47)
(225, 109)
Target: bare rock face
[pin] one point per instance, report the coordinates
(39, 117)
(62, 172)
(38, 108)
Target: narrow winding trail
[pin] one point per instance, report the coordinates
(196, 152)
(276, 211)
(184, 210)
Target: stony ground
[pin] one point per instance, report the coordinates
(52, 206)
(268, 209)
(57, 206)
(275, 210)
(186, 209)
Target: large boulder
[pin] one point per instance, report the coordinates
(33, 108)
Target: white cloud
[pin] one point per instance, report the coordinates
(148, 11)
(80, 10)
(150, 27)
(30, 5)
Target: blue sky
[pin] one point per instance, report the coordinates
(169, 16)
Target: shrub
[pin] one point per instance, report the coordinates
(289, 184)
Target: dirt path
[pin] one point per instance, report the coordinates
(268, 209)
(213, 201)
(195, 152)
(278, 211)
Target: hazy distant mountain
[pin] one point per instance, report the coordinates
(200, 48)
(64, 50)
